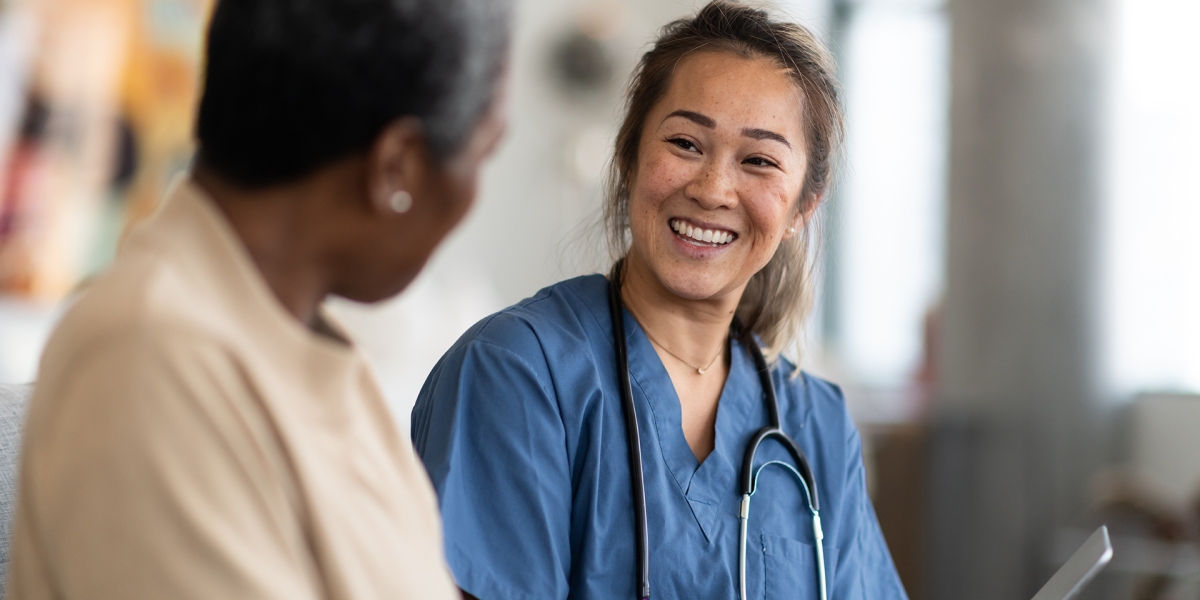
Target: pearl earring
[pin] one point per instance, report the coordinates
(400, 202)
(791, 231)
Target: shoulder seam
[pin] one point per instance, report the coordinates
(523, 362)
(605, 331)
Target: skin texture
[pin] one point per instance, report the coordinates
(333, 230)
(723, 149)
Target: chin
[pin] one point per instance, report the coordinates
(693, 284)
(379, 288)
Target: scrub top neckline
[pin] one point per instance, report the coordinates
(706, 481)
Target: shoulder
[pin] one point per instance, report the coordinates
(140, 340)
(806, 398)
(537, 351)
(142, 302)
(129, 371)
(554, 324)
(130, 405)
(138, 396)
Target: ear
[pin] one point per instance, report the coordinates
(395, 163)
(803, 216)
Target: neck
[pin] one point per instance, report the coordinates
(275, 225)
(693, 330)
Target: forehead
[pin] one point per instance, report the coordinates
(736, 92)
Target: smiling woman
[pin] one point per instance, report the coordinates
(778, 296)
(602, 439)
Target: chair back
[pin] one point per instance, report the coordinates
(13, 401)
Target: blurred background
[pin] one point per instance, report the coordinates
(1010, 275)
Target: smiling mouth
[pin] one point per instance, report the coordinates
(702, 237)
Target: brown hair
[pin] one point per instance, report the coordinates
(778, 297)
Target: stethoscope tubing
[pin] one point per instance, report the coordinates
(749, 478)
(818, 533)
(633, 439)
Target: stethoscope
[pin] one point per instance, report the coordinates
(749, 478)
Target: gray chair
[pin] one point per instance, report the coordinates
(13, 401)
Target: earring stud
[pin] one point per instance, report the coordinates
(791, 231)
(400, 202)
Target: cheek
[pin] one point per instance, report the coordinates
(457, 192)
(466, 192)
(770, 212)
(660, 175)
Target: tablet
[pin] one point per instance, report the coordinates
(1092, 556)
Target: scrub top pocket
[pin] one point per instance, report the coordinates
(790, 569)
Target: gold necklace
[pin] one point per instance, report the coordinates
(699, 370)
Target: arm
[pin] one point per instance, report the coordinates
(491, 435)
(866, 571)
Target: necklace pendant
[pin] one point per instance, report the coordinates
(700, 371)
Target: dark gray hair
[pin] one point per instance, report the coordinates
(481, 29)
(291, 85)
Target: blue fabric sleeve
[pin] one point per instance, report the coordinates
(866, 571)
(488, 427)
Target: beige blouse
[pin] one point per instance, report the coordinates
(188, 438)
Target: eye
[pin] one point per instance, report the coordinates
(759, 161)
(684, 144)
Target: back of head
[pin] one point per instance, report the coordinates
(291, 85)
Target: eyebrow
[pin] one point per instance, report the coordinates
(694, 117)
(763, 134)
(750, 132)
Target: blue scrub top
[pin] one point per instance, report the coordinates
(521, 428)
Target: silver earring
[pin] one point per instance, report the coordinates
(400, 202)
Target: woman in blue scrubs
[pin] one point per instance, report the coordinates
(725, 153)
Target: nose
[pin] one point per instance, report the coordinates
(714, 185)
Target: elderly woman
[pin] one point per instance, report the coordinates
(200, 429)
(604, 438)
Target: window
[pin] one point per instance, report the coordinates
(887, 224)
(1152, 263)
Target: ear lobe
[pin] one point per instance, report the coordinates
(803, 216)
(391, 168)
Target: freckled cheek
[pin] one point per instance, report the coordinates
(660, 175)
(652, 186)
(768, 210)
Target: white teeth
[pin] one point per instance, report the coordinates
(702, 235)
